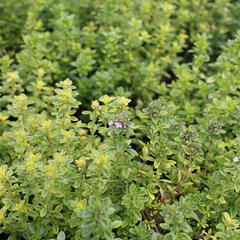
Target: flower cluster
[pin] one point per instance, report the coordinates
(187, 135)
(157, 108)
(215, 127)
(121, 120)
(235, 159)
(190, 137)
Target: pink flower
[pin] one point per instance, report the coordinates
(118, 125)
(235, 159)
(110, 123)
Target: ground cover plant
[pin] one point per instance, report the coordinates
(119, 120)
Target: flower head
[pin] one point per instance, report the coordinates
(110, 123)
(118, 125)
(235, 159)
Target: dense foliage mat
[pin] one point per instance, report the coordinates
(119, 119)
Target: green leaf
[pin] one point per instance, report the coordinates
(165, 226)
(43, 212)
(125, 173)
(116, 224)
(132, 152)
(184, 236)
(61, 236)
(186, 228)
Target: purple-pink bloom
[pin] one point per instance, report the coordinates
(110, 123)
(118, 125)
